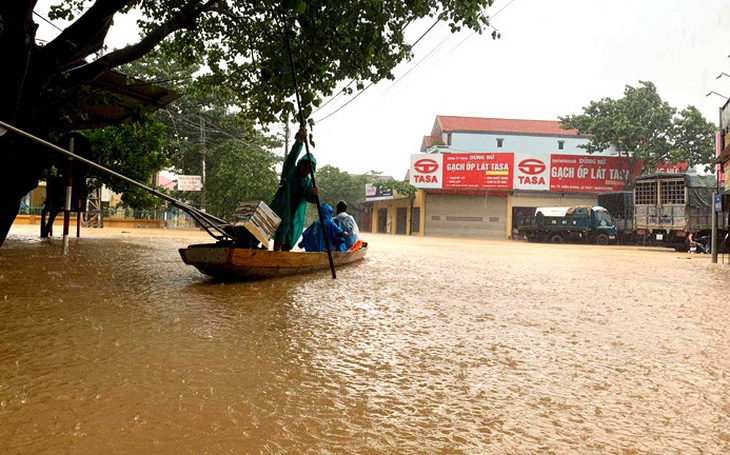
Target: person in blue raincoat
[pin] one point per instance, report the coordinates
(313, 237)
(295, 190)
(347, 223)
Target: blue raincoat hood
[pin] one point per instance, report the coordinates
(327, 211)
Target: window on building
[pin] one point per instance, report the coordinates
(561, 145)
(500, 141)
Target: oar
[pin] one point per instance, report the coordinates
(306, 145)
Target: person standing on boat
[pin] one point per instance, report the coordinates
(347, 223)
(313, 237)
(295, 190)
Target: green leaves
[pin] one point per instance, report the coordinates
(402, 188)
(133, 150)
(694, 139)
(361, 40)
(335, 185)
(239, 172)
(644, 129)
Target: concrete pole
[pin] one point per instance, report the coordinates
(100, 223)
(78, 221)
(67, 206)
(202, 177)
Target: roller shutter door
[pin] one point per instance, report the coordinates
(466, 216)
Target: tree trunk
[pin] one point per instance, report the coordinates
(20, 166)
(410, 225)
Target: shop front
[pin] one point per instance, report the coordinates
(484, 195)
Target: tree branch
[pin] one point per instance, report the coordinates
(83, 37)
(184, 19)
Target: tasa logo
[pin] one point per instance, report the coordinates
(532, 166)
(426, 166)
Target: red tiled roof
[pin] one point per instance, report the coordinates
(429, 140)
(502, 125)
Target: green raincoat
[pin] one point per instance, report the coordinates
(290, 200)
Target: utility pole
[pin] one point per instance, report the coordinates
(202, 177)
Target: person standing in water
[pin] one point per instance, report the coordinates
(295, 190)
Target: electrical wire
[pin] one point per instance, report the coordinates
(369, 85)
(48, 21)
(450, 52)
(344, 105)
(421, 61)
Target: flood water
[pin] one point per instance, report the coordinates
(429, 346)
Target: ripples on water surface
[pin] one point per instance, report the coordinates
(429, 346)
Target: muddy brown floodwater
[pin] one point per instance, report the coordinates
(429, 346)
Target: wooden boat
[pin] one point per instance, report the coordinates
(222, 260)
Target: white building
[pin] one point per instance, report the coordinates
(480, 175)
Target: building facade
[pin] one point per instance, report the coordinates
(478, 176)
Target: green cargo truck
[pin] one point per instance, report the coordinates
(620, 205)
(580, 224)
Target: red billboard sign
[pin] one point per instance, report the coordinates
(666, 168)
(478, 170)
(521, 171)
(590, 174)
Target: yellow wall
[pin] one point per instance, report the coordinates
(508, 228)
(392, 206)
(108, 222)
(38, 195)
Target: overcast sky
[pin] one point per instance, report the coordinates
(553, 58)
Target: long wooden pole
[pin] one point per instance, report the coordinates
(306, 145)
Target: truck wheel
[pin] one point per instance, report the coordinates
(601, 239)
(557, 238)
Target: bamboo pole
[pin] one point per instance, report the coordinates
(309, 156)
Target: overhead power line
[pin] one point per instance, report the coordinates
(344, 105)
(48, 22)
(369, 85)
(420, 61)
(430, 54)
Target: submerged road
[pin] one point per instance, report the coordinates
(429, 346)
